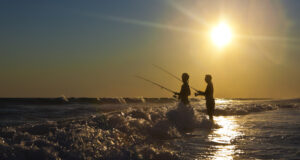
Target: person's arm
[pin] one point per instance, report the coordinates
(199, 93)
(202, 93)
(178, 94)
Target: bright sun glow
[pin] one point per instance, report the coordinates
(221, 35)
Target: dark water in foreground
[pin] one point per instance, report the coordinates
(116, 128)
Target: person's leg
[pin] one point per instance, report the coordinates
(210, 109)
(210, 113)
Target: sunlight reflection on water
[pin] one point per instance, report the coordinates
(223, 137)
(223, 101)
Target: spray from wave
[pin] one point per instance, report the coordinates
(129, 134)
(112, 130)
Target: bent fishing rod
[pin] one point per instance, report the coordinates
(169, 73)
(154, 83)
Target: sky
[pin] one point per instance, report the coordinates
(95, 48)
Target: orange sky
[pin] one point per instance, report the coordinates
(94, 50)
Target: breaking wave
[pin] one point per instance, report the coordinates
(64, 100)
(133, 129)
(129, 134)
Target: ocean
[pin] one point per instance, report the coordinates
(139, 128)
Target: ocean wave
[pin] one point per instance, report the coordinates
(129, 134)
(239, 109)
(13, 112)
(72, 100)
(120, 100)
(114, 131)
(244, 109)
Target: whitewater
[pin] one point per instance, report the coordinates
(139, 128)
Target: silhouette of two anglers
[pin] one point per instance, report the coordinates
(208, 93)
(185, 91)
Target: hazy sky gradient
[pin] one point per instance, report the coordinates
(94, 49)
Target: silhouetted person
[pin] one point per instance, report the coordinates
(185, 89)
(183, 117)
(209, 96)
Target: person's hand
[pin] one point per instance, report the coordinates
(197, 93)
(175, 95)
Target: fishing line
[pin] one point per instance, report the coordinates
(169, 73)
(157, 84)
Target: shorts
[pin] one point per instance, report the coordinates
(210, 106)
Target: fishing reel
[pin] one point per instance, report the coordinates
(175, 95)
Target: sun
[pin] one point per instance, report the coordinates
(221, 34)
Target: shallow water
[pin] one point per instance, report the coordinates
(266, 135)
(137, 129)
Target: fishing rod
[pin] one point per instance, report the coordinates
(159, 85)
(169, 73)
